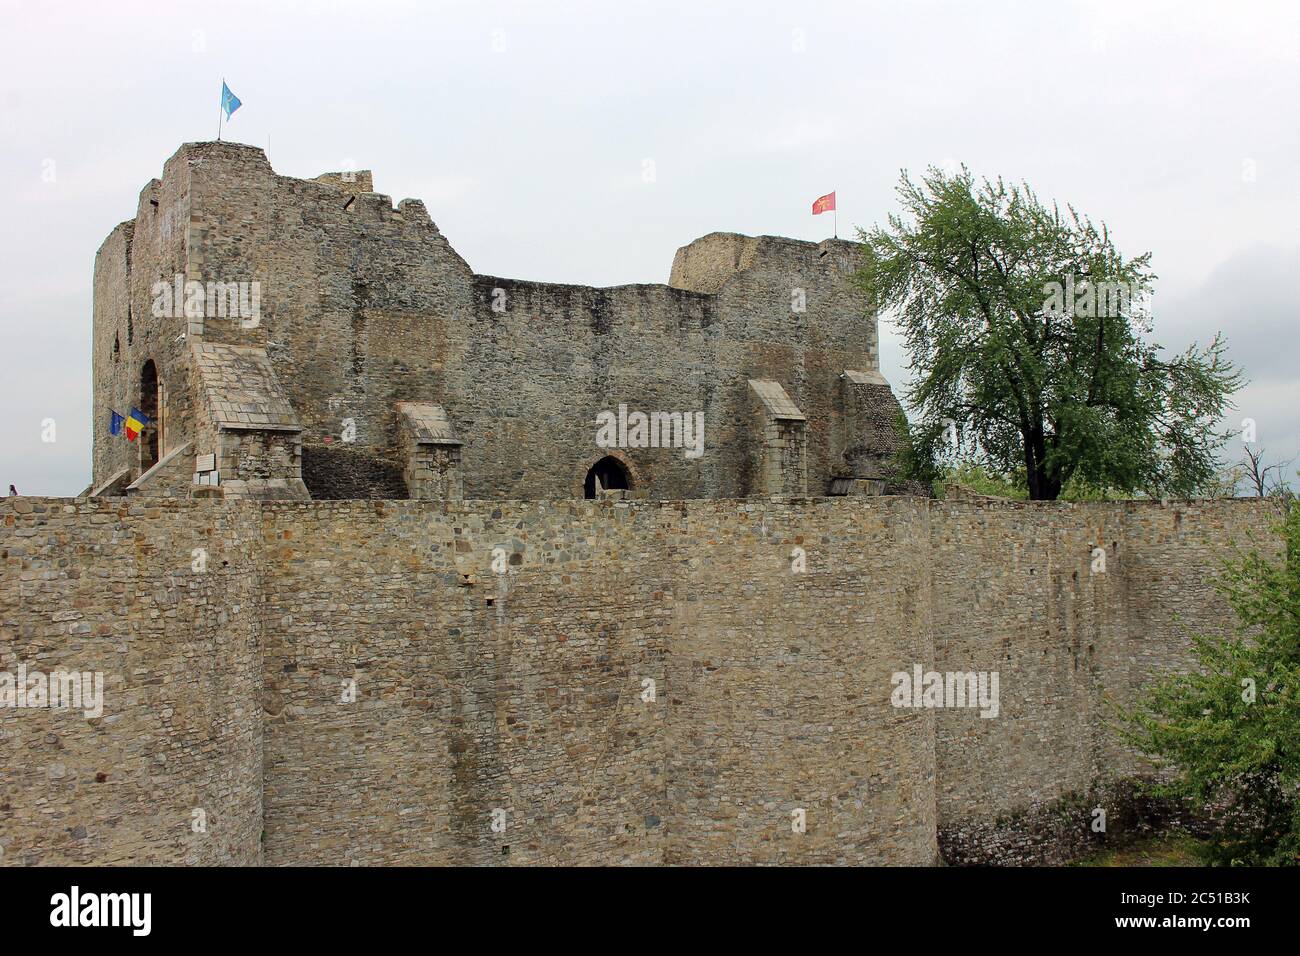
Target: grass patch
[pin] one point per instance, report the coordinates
(1168, 849)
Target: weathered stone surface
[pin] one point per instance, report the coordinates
(107, 585)
(432, 452)
(170, 477)
(364, 306)
(527, 691)
(340, 471)
(240, 388)
(525, 676)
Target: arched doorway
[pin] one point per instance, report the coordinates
(606, 474)
(150, 403)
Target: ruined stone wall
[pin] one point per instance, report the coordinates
(868, 436)
(112, 378)
(222, 215)
(356, 680)
(353, 290)
(791, 314)
(252, 455)
(108, 585)
(363, 305)
(341, 471)
(540, 372)
(555, 356)
(155, 246)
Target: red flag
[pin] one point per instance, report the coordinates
(824, 204)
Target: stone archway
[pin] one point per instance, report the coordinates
(606, 474)
(635, 480)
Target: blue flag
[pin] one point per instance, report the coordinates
(115, 423)
(229, 101)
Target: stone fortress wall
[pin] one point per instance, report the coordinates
(525, 691)
(365, 305)
(502, 634)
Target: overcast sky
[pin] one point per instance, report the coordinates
(526, 128)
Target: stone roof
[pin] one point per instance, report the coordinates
(240, 388)
(864, 378)
(428, 423)
(775, 400)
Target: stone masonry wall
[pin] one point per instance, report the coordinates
(334, 471)
(1019, 589)
(353, 681)
(160, 243)
(108, 585)
(171, 477)
(524, 691)
(364, 305)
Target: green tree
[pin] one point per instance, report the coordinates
(1026, 335)
(1230, 729)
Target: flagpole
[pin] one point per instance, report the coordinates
(220, 108)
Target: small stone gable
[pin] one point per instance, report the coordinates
(240, 389)
(252, 435)
(780, 442)
(431, 451)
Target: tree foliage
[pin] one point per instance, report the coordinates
(1026, 332)
(1230, 729)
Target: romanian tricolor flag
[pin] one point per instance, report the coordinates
(135, 423)
(824, 204)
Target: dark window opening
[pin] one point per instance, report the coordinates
(606, 474)
(150, 437)
(117, 347)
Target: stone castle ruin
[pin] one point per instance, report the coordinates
(395, 573)
(294, 339)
